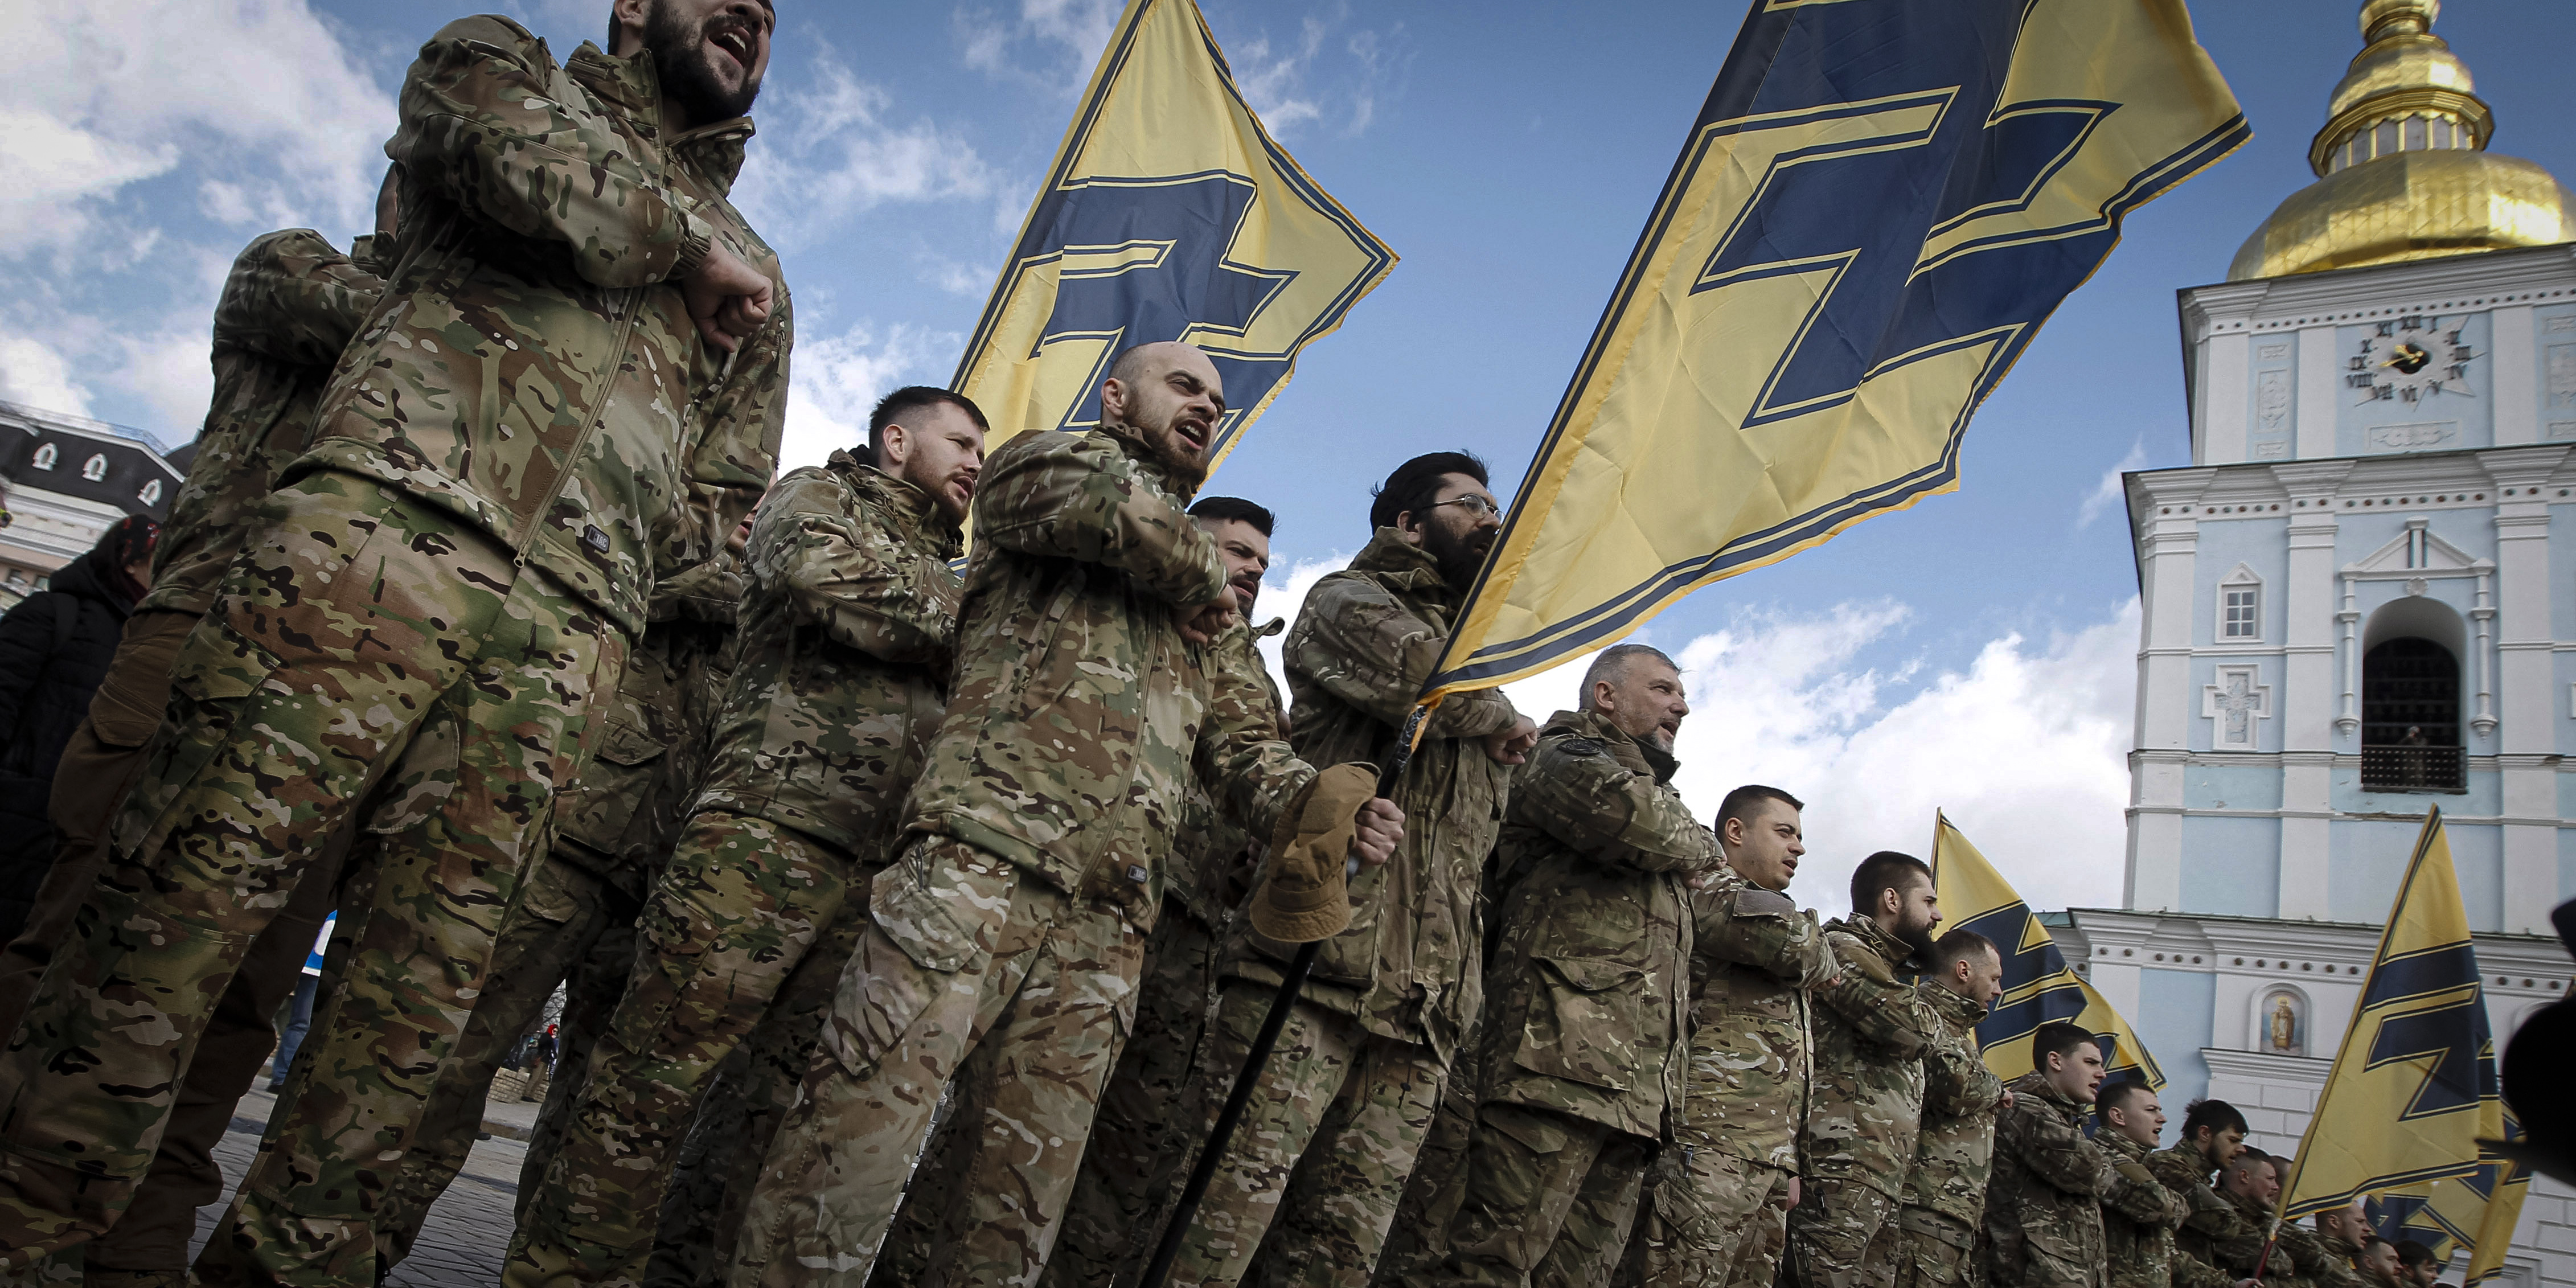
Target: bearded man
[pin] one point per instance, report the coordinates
(1007, 938)
(1872, 1029)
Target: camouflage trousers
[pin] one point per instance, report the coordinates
(1710, 1218)
(1928, 1249)
(1321, 1156)
(568, 928)
(365, 650)
(968, 973)
(1419, 1237)
(747, 915)
(1153, 1103)
(1548, 1199)
(1833, 1235)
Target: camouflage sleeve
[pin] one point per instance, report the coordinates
(1367, 649)
(1956, 1080)
(1878, 1006)
(2053, 1149)
(1076, 496)
(1242, 756)
(292, 298)
(1745, 924)
(2191, 1272)
(740, 425)
(2243, 1241)
(709, 591)
(1606, 812)
(2134, 1193)
(488, 121)
(844, 570)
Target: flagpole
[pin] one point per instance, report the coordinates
(1291, 982)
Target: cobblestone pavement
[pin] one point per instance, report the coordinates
(468, 1231)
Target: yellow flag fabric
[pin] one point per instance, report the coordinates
(1169, 214)
(2414, 1090)
(2039, 987)
(1878, 206)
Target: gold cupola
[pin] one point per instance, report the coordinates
(2402, 167)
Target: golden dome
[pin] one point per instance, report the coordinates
(2403, 167)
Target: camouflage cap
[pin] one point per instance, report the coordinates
(1307, 896)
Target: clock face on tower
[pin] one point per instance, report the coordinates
(2410, 359)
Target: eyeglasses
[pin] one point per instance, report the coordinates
(1477, 506)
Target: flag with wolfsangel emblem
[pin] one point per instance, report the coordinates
(2412, 1111)
(1880, 203)
(2039, 987)
(1169, 214)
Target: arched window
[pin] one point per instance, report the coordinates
(2410, 716)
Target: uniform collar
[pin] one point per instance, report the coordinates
(633, 87)
(1638, 756)
(2033, 1085)
(1960, 1010)
(1407, 567)
(916, 512)
(1895, 950)
(1146, 460)
(2124, 1146)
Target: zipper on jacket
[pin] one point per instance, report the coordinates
(572, 459)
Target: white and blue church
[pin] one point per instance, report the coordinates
(2359, 602)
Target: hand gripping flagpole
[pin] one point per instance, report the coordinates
(1291, 982)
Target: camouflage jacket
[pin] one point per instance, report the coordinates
(2314, 1260)
(623, 814)
(1755, 963)
(2138, 1229)
(1215, 859)
(2216, 1235)
(1079, 714)
(1954, 1155)
(1871, 1032)
(289, 307)
(1411, 965)
(2337, 1264)
(849, 629)
(532, 369)
(1587, 1001)
(2044, 1209)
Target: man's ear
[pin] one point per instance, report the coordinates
(1113, 399)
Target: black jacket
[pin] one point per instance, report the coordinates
(55, 647)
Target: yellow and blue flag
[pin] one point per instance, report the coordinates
(1880, 203)
(2413, 1108)
(2039, 987)
(1169, 214)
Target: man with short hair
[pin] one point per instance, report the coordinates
(2044, 1214)
(1323, 1152)
(2213, 1134)
(2138, 1232)
(1716, 1207)
(1152, 1107)
(848, 635)
(1007, 938)
(2416, 1263)
(2379, 1264)
(2231, 1237)
(1872, 1029)
(1934, 1235)
(2336, 1244)
(574, 391)
(1585, 1041)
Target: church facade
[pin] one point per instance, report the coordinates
(2359, 602)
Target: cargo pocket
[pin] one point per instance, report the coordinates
(671, 950)
(1579, 1030)
(215, 677)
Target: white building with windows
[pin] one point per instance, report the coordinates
(2359, 600)
(63, 480)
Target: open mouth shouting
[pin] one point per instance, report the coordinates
(1196, 432)
(735, 40)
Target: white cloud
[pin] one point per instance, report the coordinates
(1069, 35)
(1270, 83)
(169, 372)
(2111, 490)
(835, 380)
(96, 98)
(828, 152)
(2026, 748)
(32, 373)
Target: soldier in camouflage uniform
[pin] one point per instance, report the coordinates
(1324, 1148)
(1585, 1044)
(2215, 1238)
(2053, 1185)
(1933, 1239)
(848, 630)
(1715, 1208)
(1006, 941)
(1153, 1101)
(574, 923)
(290, 304)
(2137, 1233)
(1871, 1032)
(441, 590)
(2337, 1241)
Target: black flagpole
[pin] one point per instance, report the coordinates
(1258, 1058)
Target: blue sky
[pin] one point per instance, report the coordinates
(1976, 651)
